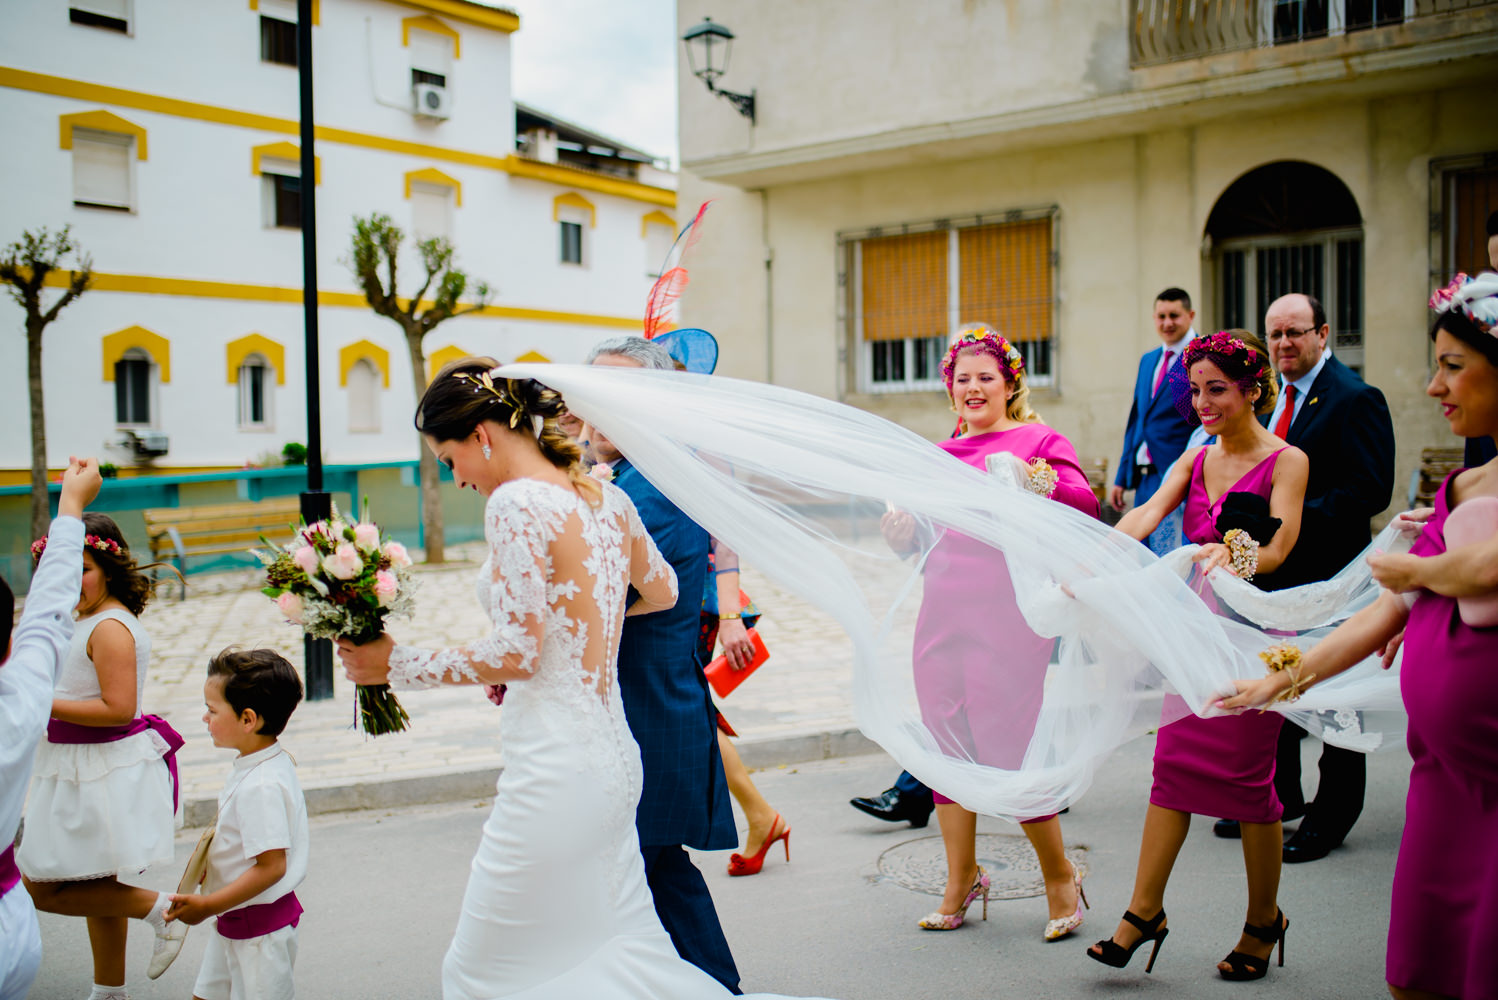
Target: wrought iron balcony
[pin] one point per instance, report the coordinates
(1164, 31)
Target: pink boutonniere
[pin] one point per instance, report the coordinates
(603, 472)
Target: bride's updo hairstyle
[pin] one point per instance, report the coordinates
(980, 338)
(1468, 310)
(1238, 354)
(464, 395)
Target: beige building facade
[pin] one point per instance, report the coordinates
(1049, 167)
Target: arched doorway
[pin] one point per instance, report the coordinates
(1289, 226)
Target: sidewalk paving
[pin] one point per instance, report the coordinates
(797, 707)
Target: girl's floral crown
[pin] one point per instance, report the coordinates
(89, 541)
(1221, 344)
(1476, 298)
(988, 341)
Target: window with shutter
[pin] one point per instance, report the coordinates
(363, 398)
(431, 58)
(112, 15)
(132, 389)
(431, 211)
(255, 384)
(101, 170)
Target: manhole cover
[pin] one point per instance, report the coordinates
(921, 865)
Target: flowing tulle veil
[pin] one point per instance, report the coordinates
(796, 484)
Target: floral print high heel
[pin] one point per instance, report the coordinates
(938, 921)
(1059, 928)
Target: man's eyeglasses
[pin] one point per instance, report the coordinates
(1291, 334)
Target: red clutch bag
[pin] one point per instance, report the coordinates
(724, 678)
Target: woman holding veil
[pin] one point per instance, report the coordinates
(979, 672)
(1246, 489)
(1443, 597)
(556, 904)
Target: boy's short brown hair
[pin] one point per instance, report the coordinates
(260, 679)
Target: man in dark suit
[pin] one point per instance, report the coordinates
(1343, 426)
(684, 800)
(1156, 432)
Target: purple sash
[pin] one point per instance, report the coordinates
(10, 875)
(260, 919)
(70, 732)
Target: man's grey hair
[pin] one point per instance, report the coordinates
(647, 352)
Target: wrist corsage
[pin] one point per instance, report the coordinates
(1244, 551)
(1284, 658)
(1042, 479)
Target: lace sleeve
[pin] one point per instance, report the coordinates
(649, 573)
(519, 567)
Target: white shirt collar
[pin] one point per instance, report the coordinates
(1180, 346)
(251, 759)
(1303, 384)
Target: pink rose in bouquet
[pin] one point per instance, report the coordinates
(290, 605)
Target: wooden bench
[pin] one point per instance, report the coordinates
(1435, 465)
(181, 533)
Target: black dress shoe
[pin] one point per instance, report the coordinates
(1309, 844)
(895, 807)
(1227, 829)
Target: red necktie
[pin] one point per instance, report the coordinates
(1283, 427)
(1160, 378)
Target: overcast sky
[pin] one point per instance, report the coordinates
(601, 64)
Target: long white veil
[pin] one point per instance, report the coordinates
(797, 484)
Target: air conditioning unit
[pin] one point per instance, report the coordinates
(146, 444)
(428, 100)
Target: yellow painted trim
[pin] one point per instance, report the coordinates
(431, 24)
(656, 218)
(533, 356)
(444, 356)
(238, 350)
(556, 173)
(116, 344)
(100, 121)
(144, 284)
(316, 10)
(551, 173)
(363, 350)
(431, 175)
(573, 200)
(283, 151)
(469, 13)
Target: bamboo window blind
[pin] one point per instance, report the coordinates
(1005, 278)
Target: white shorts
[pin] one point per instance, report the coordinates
(20, 944)
(257, 968)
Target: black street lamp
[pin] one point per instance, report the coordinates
(708, 47)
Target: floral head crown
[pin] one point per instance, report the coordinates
(89, 541)
(1221, 344)
(986, 340)
(1476, 298)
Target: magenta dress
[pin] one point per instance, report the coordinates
(1222, 766)
(1443, 925)
(979, 677)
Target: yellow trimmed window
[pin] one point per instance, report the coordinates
(105, 148)
(279, 166)
(433, 196)
(658, 230)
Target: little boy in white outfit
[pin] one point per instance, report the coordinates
(259, 853)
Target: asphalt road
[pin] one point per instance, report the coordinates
(384, 886)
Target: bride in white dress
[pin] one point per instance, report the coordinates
(556, 904)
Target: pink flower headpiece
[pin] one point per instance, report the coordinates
(1476, 298)
(984, 339)
(1224, 344)
(89, 541)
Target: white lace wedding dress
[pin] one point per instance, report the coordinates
(557, 906)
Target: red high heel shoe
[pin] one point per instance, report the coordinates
(740, 865)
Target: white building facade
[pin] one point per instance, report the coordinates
(165, 134)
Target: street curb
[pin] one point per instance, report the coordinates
(452, 786)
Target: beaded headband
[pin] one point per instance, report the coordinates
(89, 541)
(484, 382)
(1219, 345)
(986, 340)
(1476, 298)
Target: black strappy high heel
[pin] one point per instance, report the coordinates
(1112, 953)
(1246, 967)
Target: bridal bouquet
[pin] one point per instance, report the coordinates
(341, 580)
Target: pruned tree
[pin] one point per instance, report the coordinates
(375, 247)
(25, 268)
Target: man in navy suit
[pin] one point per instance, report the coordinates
(1343, 426)
(684, 800)
(1156, 433)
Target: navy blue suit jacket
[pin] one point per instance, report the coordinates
(1345, 431)
(1153, 421)
(685, 795)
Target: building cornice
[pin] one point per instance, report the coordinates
(470, 13)
(146, 284)
(1082, 120)
(97, 93)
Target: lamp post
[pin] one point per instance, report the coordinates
(709, 45)
(316, 503)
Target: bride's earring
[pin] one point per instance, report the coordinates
(484, 447)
